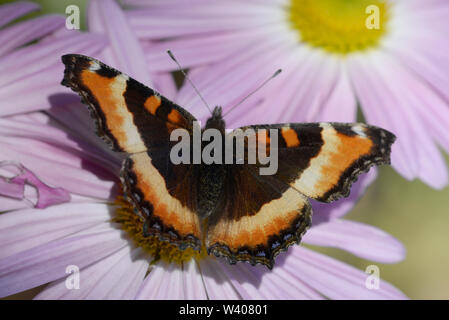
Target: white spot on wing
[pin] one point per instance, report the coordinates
(94, 66)
(359, 130)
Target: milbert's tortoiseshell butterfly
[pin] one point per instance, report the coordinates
(238, 213)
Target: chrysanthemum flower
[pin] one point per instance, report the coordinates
(97, 232)
(101, 235)
(387, 55)
(38, 62)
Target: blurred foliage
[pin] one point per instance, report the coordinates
(411, 211)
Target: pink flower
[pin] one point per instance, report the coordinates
(333, 57)
(60, 147)
(38, 63)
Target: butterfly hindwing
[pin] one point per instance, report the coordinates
(259, 219)
(134, 119)
(165, 195)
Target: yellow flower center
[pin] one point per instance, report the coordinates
(339, 26)
(160, 250)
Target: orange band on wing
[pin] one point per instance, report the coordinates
(290, 136)
(350, 148)
(167, 208)
(108, 92)
(260, 237)
(152, 103)
(256, 230)
(176, 118)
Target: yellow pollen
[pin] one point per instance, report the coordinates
(160, 250)
(339, 26)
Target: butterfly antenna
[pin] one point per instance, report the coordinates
(254, 91)
(188, 79)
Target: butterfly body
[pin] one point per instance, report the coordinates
(211, 176)
(230, 208)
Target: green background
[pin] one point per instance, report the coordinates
(414, 213)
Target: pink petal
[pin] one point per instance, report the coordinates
(193, 282)
(7, 187)
(63, 168)
(249, 59)
(362, 240)
(48, 262)
(172, 281)
(164, 282)
(163, 3)
(195, 51)
(388, 75)
(311, 95)
(417, 95)
(425, 66)
(274, 102)
(218, 286)
(123, 280)
(230, 76)
(90, 277)
(78, 126)
(380, 108)
(260, 283)
(36, 58)
(124, 51)
(47, 195)
(199, 19)
(25, 229)
(37, 70)
(18, 198)
(57, 159)
(27, 31)
(78, 134)
(11, 11)
(335, 279)
(341, 105)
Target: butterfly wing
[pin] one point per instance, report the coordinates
(322, 160)
(134, 119)
(319, 161)
(165, 195)
(129, 116)
(258, 219)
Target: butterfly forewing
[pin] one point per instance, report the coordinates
(133, 118)
(322, 160)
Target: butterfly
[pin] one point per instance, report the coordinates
(230, 209)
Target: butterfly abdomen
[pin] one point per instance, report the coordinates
(211, 186)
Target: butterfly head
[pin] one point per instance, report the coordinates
(216, 121)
